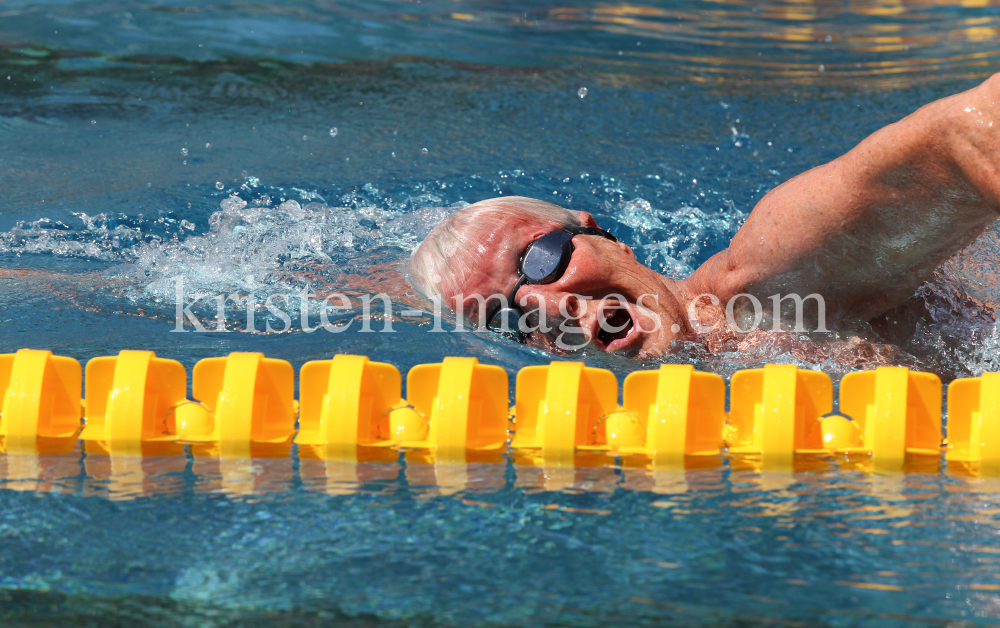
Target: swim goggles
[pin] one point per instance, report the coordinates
(544, 261)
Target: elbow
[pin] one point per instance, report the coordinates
(972, 126)
(987, 95)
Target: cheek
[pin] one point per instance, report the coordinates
(593, 268)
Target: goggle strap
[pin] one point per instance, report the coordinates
(521, 280)
(597, 231)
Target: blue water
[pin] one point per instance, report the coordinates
(149, 145)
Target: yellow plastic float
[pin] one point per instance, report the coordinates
(775, 412)
(670, 414)
(566, 415)
(344, 404)
(560, 408)
(974, 423)
(896, 412)
(458, 410)
(42, 402)
(244, 399)
(131, 400)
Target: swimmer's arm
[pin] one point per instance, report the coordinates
(867, 228)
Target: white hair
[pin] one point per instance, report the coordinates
(445, 259)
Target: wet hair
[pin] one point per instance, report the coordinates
(444, 260)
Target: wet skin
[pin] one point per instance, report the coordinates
(864, 231)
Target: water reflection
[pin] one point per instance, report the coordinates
(801, 39)
(244, 469)
(48, 472)
(428, 477)
(890, 41)
(166, 469)
(797, 39)
(123, 477)
(591, 472)
(337, 471)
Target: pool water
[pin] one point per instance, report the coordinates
(249, 151)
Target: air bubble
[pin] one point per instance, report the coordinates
(219, 185)
(208, 146)
(333, 131)
(581, 92)
(93, 121)
(423, 150)
(305, 137)
(184, 152)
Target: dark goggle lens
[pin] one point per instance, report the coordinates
(507, 322)
(544, 259)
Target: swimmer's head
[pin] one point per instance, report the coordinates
(604, 296)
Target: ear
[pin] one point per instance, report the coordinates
(586, 220)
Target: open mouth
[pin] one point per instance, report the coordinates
(617, 325)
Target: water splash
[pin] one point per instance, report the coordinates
(265, 240)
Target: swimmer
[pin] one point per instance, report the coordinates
(863, 232)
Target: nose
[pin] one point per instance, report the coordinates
(556, 305)
(534, 296)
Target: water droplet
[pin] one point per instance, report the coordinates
(394, 155)
(184, 152)
(822, 68)
(187, 225)
(675, 328)
(829, 38)
(619, 53)
(219, 185)
(189, 205)
(93, 121)
(244, 173)
(581, 92)
(185, 162)
(208, 146)
(305, 137)
(423, 150)
(333, 131)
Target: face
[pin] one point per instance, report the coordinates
(605, 299)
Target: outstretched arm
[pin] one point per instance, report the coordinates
(867, 228)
